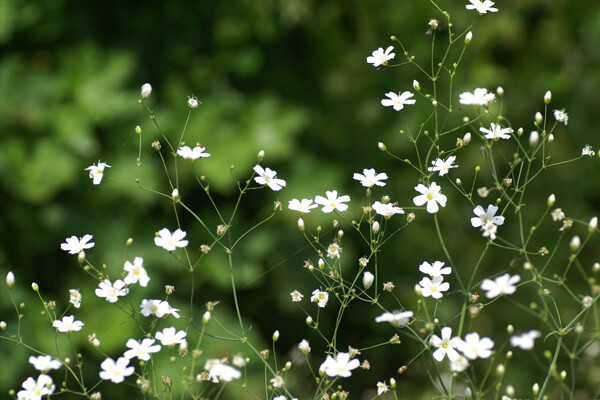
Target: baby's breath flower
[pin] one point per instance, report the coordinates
(557, 214)
(388, 286)
(501, 285)
(475, 347)
(268, 177)
(433, 287)
(75, 298)
(368, 279)
(111, 291)
(431, 195)
(75, 245)
(481, 6)
(398, 101)
(304, 347)
(496, 132)
(188, 153)
(168, 337)
(97, 172)
(381, 57)
(333, 250)
(370, 178)
(479, 97)
(296, 296)
(170, 241)
(44, 363)
(332, 202)
(193, 102)
(136, 272)
(443, 166)
(483, 192)
(446, 345)
(395, 318)
(526, 340)
(587, 301)
(67, 324)
(146, 90)
(116, 371)
(303, 206)
(320, 297)
(277, 382)
(561, 116)
(341, 365)
(587, 151)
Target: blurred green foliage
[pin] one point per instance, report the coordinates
(286, 76)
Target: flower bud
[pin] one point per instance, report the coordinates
(468, 394)
(261, 155)
(418, 290)
(467, 138)
(382, 146)
(551, 200)
(510, 391)
(301, 224)
(3, 325)
(596, 267)
(593, 224)
(547, 97)
(175, 195)
(500, 91)
(368, 279)
(563, 375)
(416, 86)
(375, 227)
(206, 317)
(535, 389)
(35, 286)
(392, 383)
(534, 138)
(321, 263)
(468, 37)
(520, 131)
(458, 182)
(500, 370)
(146, 90)
(10, 279)
(575, 243)
(550, 138)
(275, 336)
(509, 355)
(138, 130)
(538, 118)
(309, 320)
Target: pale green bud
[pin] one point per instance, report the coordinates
(382, 146)
(535, 389)
(35, 286)
(575, 243)
(468, 37)
(275, 336)
(538, 118)
(138, 130)
(547, 97)
(551, 200)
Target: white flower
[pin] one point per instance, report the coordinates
(168, 337)
(97, 172)
(333, 250)
(157, 308)
(386, 209)
(332, 202)
(268, 177)
(474, 347)
(525, 340)
(67, 324)
(504, 284)
(192, 154)
(380, 57)
(111, 291)
(44, 363)
(238, 360)
(75, 298)
(136, 272)
(480, 96)
(277, 382)
(587, 151)
(431, 195)
(35, 390)
(370, 178)
(441, 166)
(146, 90)
(193, 102)
(496, 132)
(218, 371)
(368, 279)
(437, 269)
(170, 241)
(398, 100)
(489, 229)
(482, 6)
(320, 297)
(75, 245)
(116, 371)
(446, 346)
(141, 350)
(557, 214)
(561, 116)
(303, 206)
(296, 296)
(433, 287)
(341, 365)
(395, 318)
(382, 388)
(486, 217)
(304, 346)
(459, 365)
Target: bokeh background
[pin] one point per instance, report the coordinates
(289, 77)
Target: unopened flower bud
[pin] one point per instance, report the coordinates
(138, 130)
(563, 375)
(550, 138)
(10, 279)
(551, 200)
(468, 394)
(382, 146)
(500, 91)
(375, 227)
(410, 217)
(458, 182)
(35, 286)
(146, 90)
(596, 267)
(3, 325)
(547, 97)
(81, 256)
(528, 266)
(509, 355)
(261, 155)
(169, 289)
(175, 195)
(534, 138)
(340, 234)
(275, 336)
(468, 37)
(467, 138)
(520, 131)
(309, 320)
(500, 370)
(368, 279)
(206, 317)
(392, 383)
(575, 243)
(96, 396)
(510, 391)
(539, 118)
(321, 263)
(416, 86)
(301, 224)
(418, 290)
(593, 224)
(535, 389)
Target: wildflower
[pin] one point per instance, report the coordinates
(296, 296)
(496, 132)
(489, 229)
(587, 151)
(441, 166)
(479, 97)
(468, 37)
(192, 154)
(10, 279)
(75, 298)
(437, 269)
(433, 287)
(111, 291)
(320, 297)
(332, 202)
(341, 365)
(486, 217)
(416, 85)
(395, 318)
(238, 361)
(575, 243)
(170, 241)
(368, 279)
(525, 340)
(587, 301)
(561, 116)
(97, 172)
(534, 138)
(333, 250)
(277, 382)
(380, 57)
(146, 90)
(268, 177)
(388, 286)
(75, 245)
(459, 365)
(193, 102)
(304, 347)
(446, 345)
(142, 350)
(136, 272)
(44, 363)
(35, 390)
(386, 209)
(593, 224)
(398, 100)
(474, 347)
(116, 371)
(431, 195)
(382, 388)
(218, 371)
(482, 6)
(168, 337)
(557, 214)
(370, 178)
(303, 206)
(157, 308)
(504, 284)
(67, 324)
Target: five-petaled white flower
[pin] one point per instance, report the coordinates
(158, 308)
(218, 371)
(398, 100)
(170, 241)
(437, 269)
(395, 318)
(75, 298)
(136, 272)
(303, 206)
(479, 97)
(192, 154)
(561, 116)
(333, 250)
(446, 345)
(320, 297)
(482, 6)
(35, 390)
(111, 291)
(474, 347)
(296, 296)
(370, 178)
(386, 209)
(525, 340)
(304, 346)
(267, 176)
(168, 337)
(277, 382)
(141, 350)
(341, 365)
(496, 132)
(503, 284)
(486, 216)
(193, 102)
(67, 324)
(443, 166)
(380, 57)
(433, 287)
(332, 202)
(44, 363)
(116, 371)
(431, 195)
(97, 172)
(75, 245)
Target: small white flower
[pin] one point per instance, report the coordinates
(238, 360)
(395, 318)
(525, 340)
(170, 241)
(111, 291)
(482, 6)
(320, 297)
(296, 296)
(459, 365)
(496, 132)
(67, 324)
(141, 350)
(192, 154)
(277, 382)
(561, 116)
(268, 177)
(304, 347)
(474, 347)
(431, 195)
(487, 220)
(146, 90)
(341, 365)
(370, 178)
(35, 390)
(443, 166)
(168, 337)
(437, 269)
(116, 371)
(587, 151)
(97, 172)
(75, 298)
(333, 250)
(75, 245)
(157, 308)
(382, 388)
(446, 345)
(433, 287)
(332, 202)
(303, 206)
(504, 284)
(44, 363)
(547, 97)
(480, 96)
(398, 100)
(136, 272)
(380, 57)
(557, 214)
(386, 209)
(218, 371)
(193, 102)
